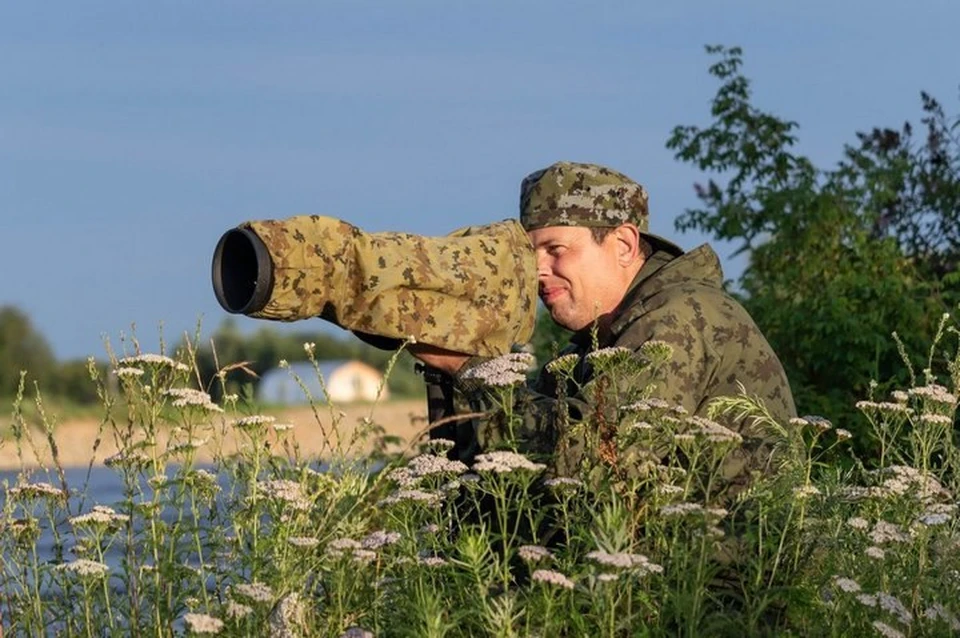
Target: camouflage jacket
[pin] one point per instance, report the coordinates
(715, 347)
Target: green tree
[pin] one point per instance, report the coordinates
(22, 347)
(839, 258)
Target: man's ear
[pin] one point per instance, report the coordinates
(627, 238)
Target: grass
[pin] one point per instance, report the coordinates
(651, 535)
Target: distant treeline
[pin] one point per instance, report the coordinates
(243, 358)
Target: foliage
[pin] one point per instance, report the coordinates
(22, 347)
(264, 543)
(839, 258)
(548, 337)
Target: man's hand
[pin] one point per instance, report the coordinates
(444, 360)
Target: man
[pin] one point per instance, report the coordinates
(604, 276)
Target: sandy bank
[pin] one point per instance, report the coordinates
(313, 434)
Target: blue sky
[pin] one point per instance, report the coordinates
(133, 134)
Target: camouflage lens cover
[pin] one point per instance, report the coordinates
(472, 291)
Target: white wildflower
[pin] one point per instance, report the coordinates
(939, 612)
(551, 577)
(83, 568)
(99, 515)
(884, 532)
(858, 522)
(432, 561)
(563, 481)
(202, 623)
(286, 491)
(504, 461)
(256, 591)
(843, 435)
(681, 509)
(237, 610)
(189, 397)
(303, 541)
(886, 630)
(875, 552)
(253, 421)
(624, 560)
(504, 371)
(935, 393)
(379, 538)
(612, 356)
(805, 491)
(713, 431)
(563, 364)
(416, 496)
(935, 419)
(23, 491)
(128, 372)
(534, 553)
(429, 464)
(892, 604)
(846, 584)
(867, 600)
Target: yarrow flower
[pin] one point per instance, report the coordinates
(303, 541)
(83, 568)
(805, 491)
(610, 358)
(681, 509)
(935, 393)
(884, 532)
(237, 610)
(886, 630)
(846, 584)
(843, 435)
(99, 515)
(202, 623)
(24, 491)
(859, 523)
(892, 604)
(289, 492)
(416, 496)
(189, 397)
(503, 371)
(432, 561)
(713, 431)
(624, 560)
(656, 350)
(563, 481)
(534, 553)
(929, 418)
(253, 421)
(379, 538)
(126, 372)
(550, 577)
(563, 365)
(503, 461)
(429, 464)
(875, 552)
(256, 591)
(883, 407)
(939, 612)
(159, 360)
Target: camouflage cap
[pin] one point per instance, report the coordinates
(575, 194)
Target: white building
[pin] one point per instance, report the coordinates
(345, 382)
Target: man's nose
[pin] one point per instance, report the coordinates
(543, 265)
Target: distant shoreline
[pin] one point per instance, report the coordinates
(76, 439)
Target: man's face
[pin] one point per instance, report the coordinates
(580, 280)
